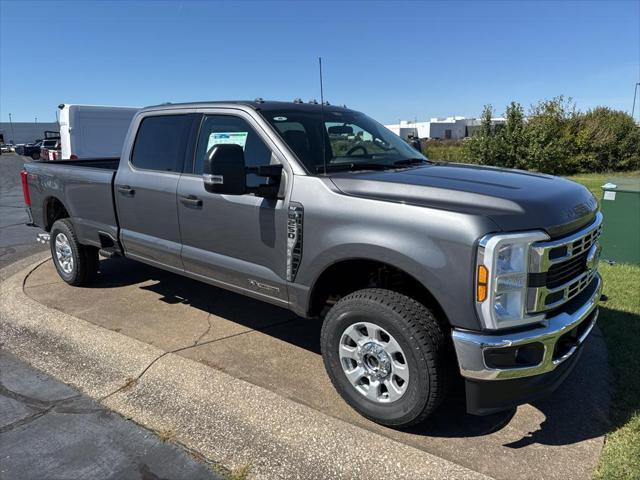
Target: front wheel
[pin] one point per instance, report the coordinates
(35, 156)
(387, 356)
(76, 264)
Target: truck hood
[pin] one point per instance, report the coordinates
(513, 199)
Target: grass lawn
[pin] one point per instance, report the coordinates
(620, 322)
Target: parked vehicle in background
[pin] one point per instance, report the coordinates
(93, 131)
(422, 272)
(30, 149)
(50, 149)
(7, 148)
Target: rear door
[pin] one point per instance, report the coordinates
(145, 189)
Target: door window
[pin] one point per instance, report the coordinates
(160, 143)
(217, 129)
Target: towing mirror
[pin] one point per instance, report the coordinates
(224, 170)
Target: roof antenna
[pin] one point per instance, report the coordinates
(324, 153)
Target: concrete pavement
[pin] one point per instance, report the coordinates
(271, 348)
(221, 417)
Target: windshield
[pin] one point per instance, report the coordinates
(352, 141)
(49, 143)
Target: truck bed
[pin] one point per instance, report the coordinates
(84, 188)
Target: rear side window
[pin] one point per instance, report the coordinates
(160, 143)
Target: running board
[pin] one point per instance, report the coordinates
(43, 238)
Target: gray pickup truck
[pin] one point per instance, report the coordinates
(422, 272)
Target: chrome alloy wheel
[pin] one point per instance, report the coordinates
(374, 362)
(64, 253)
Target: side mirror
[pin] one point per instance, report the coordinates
(224, 170)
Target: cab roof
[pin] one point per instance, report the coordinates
(253, 104)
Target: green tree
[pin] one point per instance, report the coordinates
(513, 139)
(482, 147)
(606, 140)
(550, 144)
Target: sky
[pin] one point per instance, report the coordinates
(392, 60)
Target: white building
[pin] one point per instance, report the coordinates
(440, 128)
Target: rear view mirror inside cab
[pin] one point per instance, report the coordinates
(340, 130)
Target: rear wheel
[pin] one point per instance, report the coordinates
(76, 264)
(387, 355)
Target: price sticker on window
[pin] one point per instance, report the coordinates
(219, 138)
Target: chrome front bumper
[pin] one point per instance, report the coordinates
(471, 346)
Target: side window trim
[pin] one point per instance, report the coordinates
(192, 143)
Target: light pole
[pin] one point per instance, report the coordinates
(13, 136)
(635, 92)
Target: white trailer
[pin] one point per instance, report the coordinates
(93, 131)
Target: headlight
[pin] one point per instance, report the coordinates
(501, 279)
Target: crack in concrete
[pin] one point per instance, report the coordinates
(210, 325)
(131, 382)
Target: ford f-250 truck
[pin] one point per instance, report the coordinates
(421, 271)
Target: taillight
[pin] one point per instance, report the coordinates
(25, 188)
(73, 157)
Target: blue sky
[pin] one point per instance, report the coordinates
(390, 59)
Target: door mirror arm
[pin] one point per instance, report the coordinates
(268, 190)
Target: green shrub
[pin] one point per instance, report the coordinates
(444, 150)
(556, 138)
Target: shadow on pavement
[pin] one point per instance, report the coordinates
(565, 413)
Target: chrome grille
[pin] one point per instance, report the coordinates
(560, 269)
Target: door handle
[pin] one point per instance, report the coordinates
(127, 190)
(191, 200)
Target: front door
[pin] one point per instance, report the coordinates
(236, 241)
(145, 191)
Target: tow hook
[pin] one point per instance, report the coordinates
(43, 238)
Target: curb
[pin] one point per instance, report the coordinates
(221, 417)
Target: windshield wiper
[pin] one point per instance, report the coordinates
(336, 167)
(410, 161)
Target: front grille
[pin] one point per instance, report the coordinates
(561, 269)
(561, 273)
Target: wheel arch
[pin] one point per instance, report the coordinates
(53, 209)
(346, 275)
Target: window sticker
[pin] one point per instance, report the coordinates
(609, 195)
(219, 138)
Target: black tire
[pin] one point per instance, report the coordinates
(85, 258)
(423, 341)
(35, 156)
